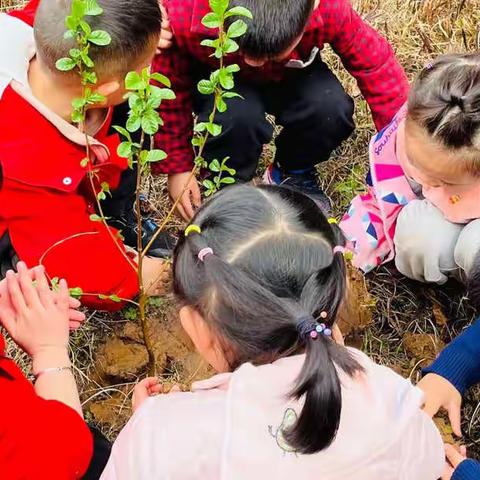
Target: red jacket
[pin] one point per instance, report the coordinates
(39, 439)
(46, 200)
(364, 52)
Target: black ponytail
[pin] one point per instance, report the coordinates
(273, 264)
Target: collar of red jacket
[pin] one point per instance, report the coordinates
(201, 8)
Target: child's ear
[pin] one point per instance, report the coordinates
(108, 89)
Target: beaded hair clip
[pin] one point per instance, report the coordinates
(308, 327)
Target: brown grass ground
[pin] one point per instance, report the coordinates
(419, 30)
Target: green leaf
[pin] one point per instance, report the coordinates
(78, 9)
(69, 34)
(240, 11)
(87, 60)
(227, 181)
(237, 29)
(92, 8)
(54, 283)
(76, 292)
(218, 6)
(214, 166)
(231, 95)
(197, 141)
(133, 81)
(150, 122)
(124, 132)
(211, 20)
(90, 78)
(233, 68)
(78, 103)
(115, 298)
(100, 38)
(166, 94)
(75, 53)
(226, 79)
(156, 156)
(77, 116)
(221, 105)
(135, 103)
(134, 122)
(130, 313)
(230, 46)
(205, 87)
(124, 150)
(158, 77)
(84, 162)
(101, 196)
(95, 98)
(200, 127)
(85, 27)
(105, 187)
(209, 43)
(71, 22)
(213, 129)
(95, 218)
(65, 64)
(209, 185)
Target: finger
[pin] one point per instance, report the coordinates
(63, 295)
(15, 293)
(463, 451)
(187, 206)
(43, 288)
(74, 325)
(196, 195)
(30, 293)
(155, 389)
(447, 474)
(455, 417)
(74, 303)
(181, 211)
(453, 456)
(76, 316)
(166, 34)
(431, 408)
(150, 382)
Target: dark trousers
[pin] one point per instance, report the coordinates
(310, 104)
(101, 454)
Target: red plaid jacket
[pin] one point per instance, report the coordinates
(364, 52)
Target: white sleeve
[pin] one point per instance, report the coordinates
(423, 454)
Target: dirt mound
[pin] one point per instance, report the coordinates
(423, 348)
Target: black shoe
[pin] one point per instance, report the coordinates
(163, 245)
(305, 181)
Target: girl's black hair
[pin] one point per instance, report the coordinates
(273, 264)
(445, 102)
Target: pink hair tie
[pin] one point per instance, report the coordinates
(339, 249)
(203, 253)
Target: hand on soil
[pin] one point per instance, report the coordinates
(185, 187)
(156, 276)
(149, 387)
(38, 318)
(455, 456)
(166, 35)
(440, 393)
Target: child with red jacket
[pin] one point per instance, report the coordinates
(281, 73)
(47, 200)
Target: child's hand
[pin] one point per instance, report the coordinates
(454, 459)
(190, 196)
(440, 393)
(76, 318)
(38, 318)
(166, 35)
(149, 387)
(156, 276)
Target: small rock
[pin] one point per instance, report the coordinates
(122, 360)
(440, 318)
(424, 348)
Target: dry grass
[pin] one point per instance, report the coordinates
(419, 30)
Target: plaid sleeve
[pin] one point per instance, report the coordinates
(369, 58)
(175, 135)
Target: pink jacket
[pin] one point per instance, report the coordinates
(231, 428)
(369, 225)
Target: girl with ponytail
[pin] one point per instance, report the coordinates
(260, 278)
(422, 207)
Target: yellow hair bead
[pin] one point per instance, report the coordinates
(332, 221)
(192, 229)
(454, 199)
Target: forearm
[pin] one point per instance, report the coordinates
(56, 385)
